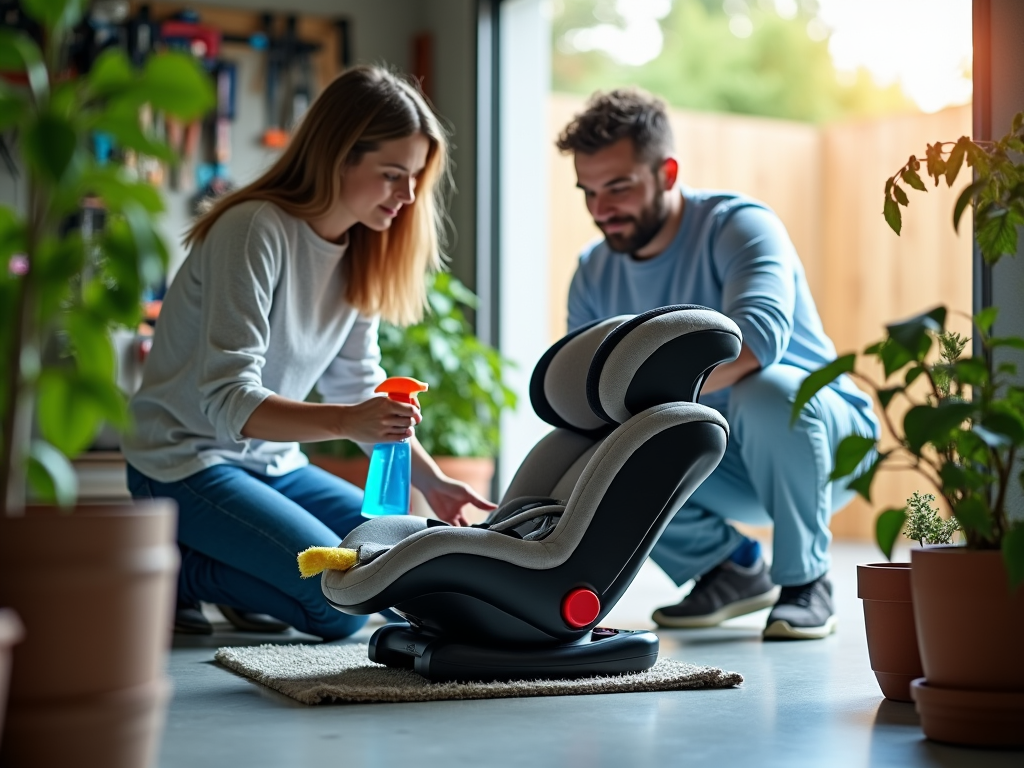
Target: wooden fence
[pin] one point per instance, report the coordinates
(826, 185)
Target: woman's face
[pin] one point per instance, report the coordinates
(374, 190)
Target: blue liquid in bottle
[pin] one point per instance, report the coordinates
(388, 481)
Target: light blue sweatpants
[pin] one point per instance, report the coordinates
(771, 475)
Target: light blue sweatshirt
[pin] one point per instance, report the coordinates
(731, 254)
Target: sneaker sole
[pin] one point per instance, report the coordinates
(783, 630)
(730, 611)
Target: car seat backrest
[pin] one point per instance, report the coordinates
(668, 356)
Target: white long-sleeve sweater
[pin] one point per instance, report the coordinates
(256, 309)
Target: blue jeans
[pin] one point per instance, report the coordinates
(239, 534)
(771, 475)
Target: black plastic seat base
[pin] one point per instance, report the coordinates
(444, 659)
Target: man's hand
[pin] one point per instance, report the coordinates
(729, 373)
(447, 497)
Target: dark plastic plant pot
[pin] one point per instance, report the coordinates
(889, 624)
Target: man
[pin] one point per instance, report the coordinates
(664, 245)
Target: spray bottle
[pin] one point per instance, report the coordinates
(390, 476)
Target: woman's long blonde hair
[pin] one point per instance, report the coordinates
(386, 271)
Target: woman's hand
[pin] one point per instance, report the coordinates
(378, 420)
(447, 497)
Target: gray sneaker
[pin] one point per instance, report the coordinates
(803, 612)
(726, 591)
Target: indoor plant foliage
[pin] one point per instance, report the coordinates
(74, 260)
(462, 408)
(963, 435)
(60, 283)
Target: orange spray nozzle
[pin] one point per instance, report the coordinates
(402, 388)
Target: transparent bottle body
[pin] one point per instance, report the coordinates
(388, 480)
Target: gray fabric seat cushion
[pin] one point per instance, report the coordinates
(412, 543)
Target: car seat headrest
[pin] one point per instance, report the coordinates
(660, 356)
(558, 387)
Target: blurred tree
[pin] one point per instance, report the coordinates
(739, 56)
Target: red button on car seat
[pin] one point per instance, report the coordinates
(580, 607)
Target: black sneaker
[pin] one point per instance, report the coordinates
(252, 622)
(189, 619)
(726, 591)
(803, 613)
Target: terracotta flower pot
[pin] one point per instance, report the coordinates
(95, 590)
(11, 633)
(970, 630)
(889, 624)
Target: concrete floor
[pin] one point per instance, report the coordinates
(809, 703)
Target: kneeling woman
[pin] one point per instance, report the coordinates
(282, 291)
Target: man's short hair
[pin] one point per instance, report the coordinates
(623, 113)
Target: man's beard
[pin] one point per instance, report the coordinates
(645, 227)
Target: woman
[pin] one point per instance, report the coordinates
(282, 290)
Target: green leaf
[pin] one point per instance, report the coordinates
(51, 475)
(111, 73)
(850, 454)
(990, 438)
(13, 109)
(818, 380)
(116, 190)
(964, 200)
(892, 214)
(901, 196)
(862, 483)
(887, 529)
(971, 370)
(67, 419)
(1013, 553)
(177, 84)
(94, 351)
(984, 319)
(1014, 342)
(19, 53)
(995, 230)
(914, 334)
(894, 357)
(55, 15)
(956, 160)
(123, 124)
(932, 424)
(885, 396)
(49, 144)
(974, 516)
(1006, 423)
(910, 176)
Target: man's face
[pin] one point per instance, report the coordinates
(623, 194)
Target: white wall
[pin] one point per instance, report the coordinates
(523, 325)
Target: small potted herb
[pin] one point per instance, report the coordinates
(888, 603)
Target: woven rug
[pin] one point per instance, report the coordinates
(318, 674)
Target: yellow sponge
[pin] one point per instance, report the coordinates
(317, 559)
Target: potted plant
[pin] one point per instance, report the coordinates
(93, 585)
(888, 604)
(462, 408)
(963, 431)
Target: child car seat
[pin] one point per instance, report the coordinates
(521, 594)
